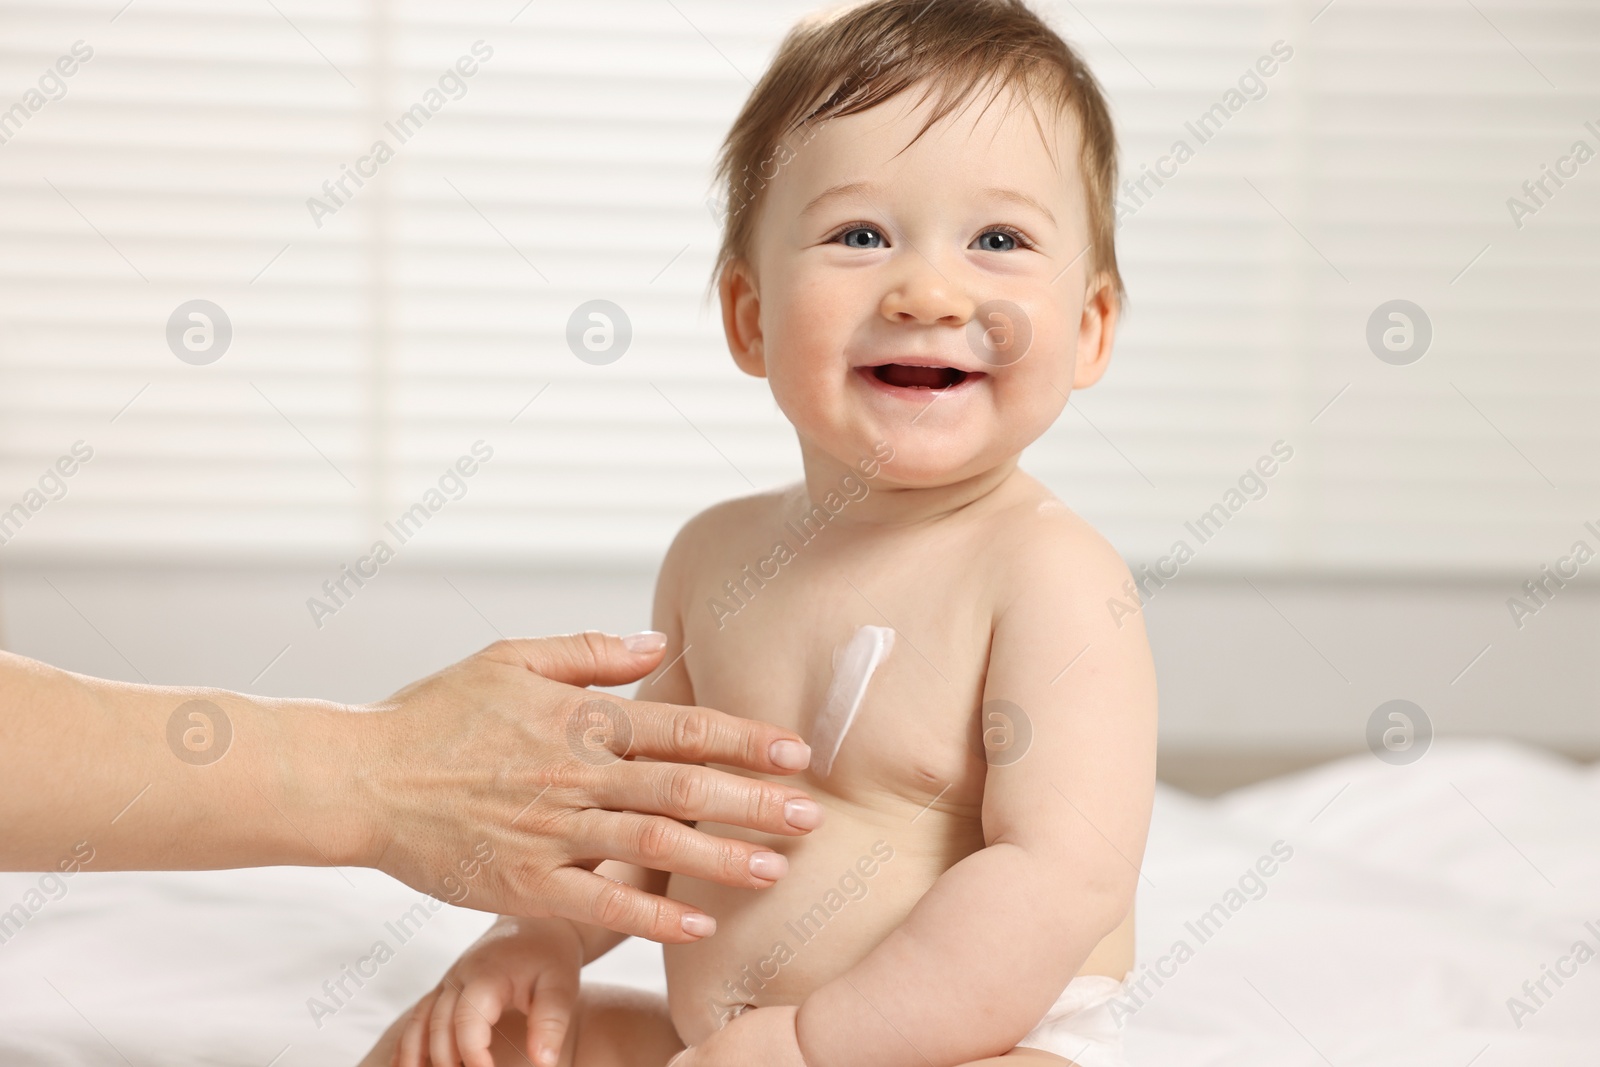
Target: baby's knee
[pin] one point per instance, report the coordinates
(612, 1026)
(1023, 1057)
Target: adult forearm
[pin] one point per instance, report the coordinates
(976, 964)
(169, 778)
(497, 783)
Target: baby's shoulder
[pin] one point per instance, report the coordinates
(722, 531)
(1044, 547)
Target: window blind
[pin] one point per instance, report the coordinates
(389, 309)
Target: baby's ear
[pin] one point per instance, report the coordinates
(741, 317)
(1097, 331)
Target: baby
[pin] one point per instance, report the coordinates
(918, 257)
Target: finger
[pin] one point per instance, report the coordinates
(479, 1008)
(589, 658)
(551, 1014)
(410, 1052)
(584, 896)
(663, 844)
(700, 735)
(683, 791)
(441, 1031)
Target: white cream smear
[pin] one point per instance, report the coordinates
(853, 666)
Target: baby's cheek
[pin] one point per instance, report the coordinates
(1029, 395)
(805, 349)
(802, 390)
(1050, 356)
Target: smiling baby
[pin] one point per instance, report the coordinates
(918, 257)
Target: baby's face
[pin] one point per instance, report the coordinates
(938, 296)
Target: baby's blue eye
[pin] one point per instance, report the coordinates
(995, 241)
(861, 237)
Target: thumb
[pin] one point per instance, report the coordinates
(589, 658)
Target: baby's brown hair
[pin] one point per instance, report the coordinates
(852, 60)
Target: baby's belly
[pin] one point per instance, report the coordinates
(850, 883)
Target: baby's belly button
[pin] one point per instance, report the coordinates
(774, 946)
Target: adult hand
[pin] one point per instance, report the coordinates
(499, 783)
(507, 755)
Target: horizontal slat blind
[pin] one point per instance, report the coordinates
(429, 310)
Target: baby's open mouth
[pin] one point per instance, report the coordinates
(904, 376)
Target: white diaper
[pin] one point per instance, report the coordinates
(1079, 1026)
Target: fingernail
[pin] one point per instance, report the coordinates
(698, 925)
(769, 865)
(791, 755)
(547, 1056)
(803, 814)
(645, 641)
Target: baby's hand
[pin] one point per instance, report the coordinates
(522, 965)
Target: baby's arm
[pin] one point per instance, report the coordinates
(986, 951)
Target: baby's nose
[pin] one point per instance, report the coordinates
(923, 296)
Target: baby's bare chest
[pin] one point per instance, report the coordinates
(768, 641)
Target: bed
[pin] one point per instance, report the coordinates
(1356, 915)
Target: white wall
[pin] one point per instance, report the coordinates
(372, 348)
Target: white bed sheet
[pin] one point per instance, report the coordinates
(1417, 901)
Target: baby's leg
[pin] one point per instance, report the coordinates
(612, 1026)
(1017, 1057)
